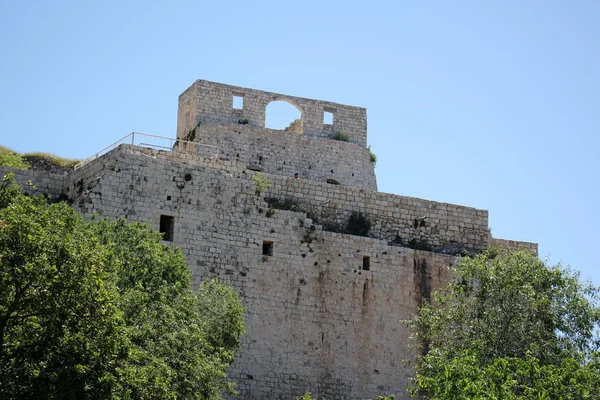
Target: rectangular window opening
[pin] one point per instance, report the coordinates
(238, 102)
(167, 225)
(267, 248)
(327, 118)
(366, 263)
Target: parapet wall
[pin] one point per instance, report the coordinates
(214, 102)
(404, 221)
(514, 245)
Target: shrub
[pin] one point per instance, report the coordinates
(358, 224)
(373, 156)
(262, 183)
(341, 135)
(306, 396)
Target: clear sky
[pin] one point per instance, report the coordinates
(489, 104)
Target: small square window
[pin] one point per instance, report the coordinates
(267, 248)
(366, 263)
(167, 225)
(238, 102)
(327, 118)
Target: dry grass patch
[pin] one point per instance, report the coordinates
(13, 159)
(52, 159)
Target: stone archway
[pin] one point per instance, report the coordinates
(283, 114)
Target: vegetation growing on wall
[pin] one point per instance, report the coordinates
(358, 224)
(262, 183)
(341, 136)
(191, 135)
(285, 204)
(372, 156)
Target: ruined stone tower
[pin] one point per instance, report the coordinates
(326, 266)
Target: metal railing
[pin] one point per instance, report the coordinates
(157, 143)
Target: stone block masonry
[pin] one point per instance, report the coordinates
(326, 266)
(33, 181)
(284, 153)
(214, 102)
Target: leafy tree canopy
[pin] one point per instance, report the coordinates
(103, 310)
(509, 327)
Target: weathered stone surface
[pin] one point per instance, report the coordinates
(324, 307)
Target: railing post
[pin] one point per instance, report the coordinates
(132, 138)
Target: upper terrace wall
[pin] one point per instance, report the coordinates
(287, 153)
(404, 221)
(213, 102)
(447, 228)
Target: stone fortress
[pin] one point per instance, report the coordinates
(326, 266)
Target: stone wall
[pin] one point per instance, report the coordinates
(286, 153)
(513, 245)
(295, 126)
(326, 267)
(407, 221)
(316, 319)
(208, 101)
(399, 220)
(34, 181)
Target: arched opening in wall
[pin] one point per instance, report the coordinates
(283, 116)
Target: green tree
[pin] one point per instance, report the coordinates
(103, 310)
(509, 327)
(59, 325)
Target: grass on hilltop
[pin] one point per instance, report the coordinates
(52, 159)
(10, 158)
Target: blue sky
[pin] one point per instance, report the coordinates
(492, 104)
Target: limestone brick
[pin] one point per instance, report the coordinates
(324, 303)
